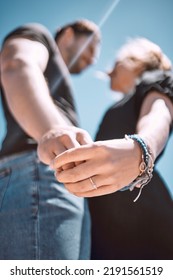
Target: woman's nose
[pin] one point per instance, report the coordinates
(109, 73)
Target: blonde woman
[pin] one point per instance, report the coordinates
(139, 126)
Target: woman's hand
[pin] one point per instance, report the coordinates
(111, 165)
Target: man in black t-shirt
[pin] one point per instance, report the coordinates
(39, 219)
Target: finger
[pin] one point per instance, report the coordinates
(45, 156)
(88, 184)
(70, 165)
(69, 141)
(91, 183)
(66, 166)
(81, 172)
(103, 190)
(84, 138)
(73, 155)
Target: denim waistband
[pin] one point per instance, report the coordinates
(18, 160)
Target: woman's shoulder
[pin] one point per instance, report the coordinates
(155, 76)
(157, 80)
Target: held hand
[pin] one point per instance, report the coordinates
(59, 140)
(107, 166)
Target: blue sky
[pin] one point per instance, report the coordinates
(119, 20)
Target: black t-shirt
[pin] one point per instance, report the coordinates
(58, 80)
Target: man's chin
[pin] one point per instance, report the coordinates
(76, 71)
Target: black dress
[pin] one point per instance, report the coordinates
(122, 229)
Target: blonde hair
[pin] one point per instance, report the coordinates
(144, 53)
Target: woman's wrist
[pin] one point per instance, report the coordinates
(146, 165)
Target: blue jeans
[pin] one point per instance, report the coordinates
(39, 218)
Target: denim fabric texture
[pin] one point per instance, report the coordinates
(39, 218)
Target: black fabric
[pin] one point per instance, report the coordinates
(157, 80)
(58, 80)
(122, 229)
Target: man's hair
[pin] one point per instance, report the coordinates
(80, 27)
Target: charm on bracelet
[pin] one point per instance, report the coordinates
(145, 168)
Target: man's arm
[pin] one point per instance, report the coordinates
(22, 65)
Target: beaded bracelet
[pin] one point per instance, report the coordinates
(145, 168)
(142, 145)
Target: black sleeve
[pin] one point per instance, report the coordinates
(35, 32)
(158, 80)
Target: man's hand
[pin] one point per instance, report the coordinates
(60, 139)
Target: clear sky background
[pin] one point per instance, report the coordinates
(118, 21)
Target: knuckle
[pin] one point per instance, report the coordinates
(64, 137)
(42, 156)
(102, 149)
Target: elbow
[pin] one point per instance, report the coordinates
(11, 65)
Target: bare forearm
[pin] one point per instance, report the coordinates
(29, 100)
(154, 127)
(23, 63)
